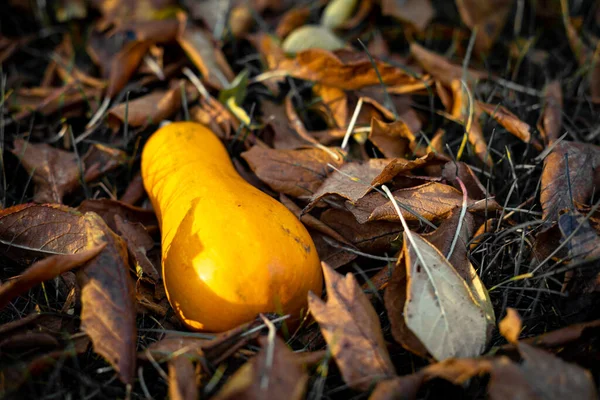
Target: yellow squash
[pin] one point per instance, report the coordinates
(229, 251)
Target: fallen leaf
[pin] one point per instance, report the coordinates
(401, 166)
(398, 388)
(453, 170)
(550, 122)
(418, 13)
(337, 12)
(344, 69)
(124, 64)
(210, 61)
(335, 255)
(101, 159)
(297, 173)
(55, 172)
(393, 139)
(335, 102)
(108, 317)
(563, 184)
(311, 37)
(134, 191)
(351, 328)
(510, 122)
(488, 17)
(44, 270)
(511, 325)
(182, 379)
(107, 209)
(430, 201)
(440, 308)
(371, 237)
(285, 136)
(291, 20)
(272, 372)
(48, 100)
(139, 242)
(352, 181)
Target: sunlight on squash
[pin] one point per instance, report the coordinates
(229, 251)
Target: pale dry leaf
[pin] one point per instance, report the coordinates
(440, 308)
(337, 12)
(351, 328)
(311, 37)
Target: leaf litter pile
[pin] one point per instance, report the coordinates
(443, 156)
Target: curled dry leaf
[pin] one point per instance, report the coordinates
(271, 373)
(351, 328)
(440, 308)
(284, 134)
(337, 12)
(108, 316)
(453, 170)
(565, 184)
(55, 172)
(210, 61)
(335, 102)
(297, 173)
(488, 17)
(44, 270)
(418, 13)
(511, 325)
(139, 242)
(183, 380)
(550, 122)
(392, 139)
(124, 65)
(510, 122)
(352, 181)
(401, 166)
(291, 20)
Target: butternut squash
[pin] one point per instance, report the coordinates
(229, 251)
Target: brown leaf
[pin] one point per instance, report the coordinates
(146, 110)
(101, 159)
(550, 122)
(118, 11)
(352, 181)
(276, 119)
(392, 139)
(44, 270)
(48, 100)
(292, 19)
(297, 173)
(371, 237)
(351, 328)
(511, 325)
(135, 190)
(107, 315)
(182, 379)
(271, 373)
(442, 69)
(415, 12)
(124, 65)
(431, 201)
(335, 102)
(559, 190)
(108, 209)
(510, 122)
(400, 166)
(198, 45)
(398, 388)
(347, 70)
(488, 16)
(453, 170)
(139, 242)
(55, 172)
(552, 378)
(330, 252)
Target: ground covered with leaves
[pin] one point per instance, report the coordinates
(442, 154)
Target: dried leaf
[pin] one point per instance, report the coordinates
(453, 170)
(511, 325)
(297, 173)
(352, 181)
(108, 316)
(559, 191)
(418, 13)
(550, 122)
(351, 327)
(285, 136)
(510, 122)
(182, 379)
(108, 209)
(393, 139)
(268, 375)
(311, 37)
(55, 172)
(398, 388)
(488, 17)
(291, 20)
(210, 61)
(139, 242)
(440, 308)
(431, 201)
(336, 103)
(344, 69)
(101, 159)
(124, 65)
(44, 270)
(401, 166)
(330, 252)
